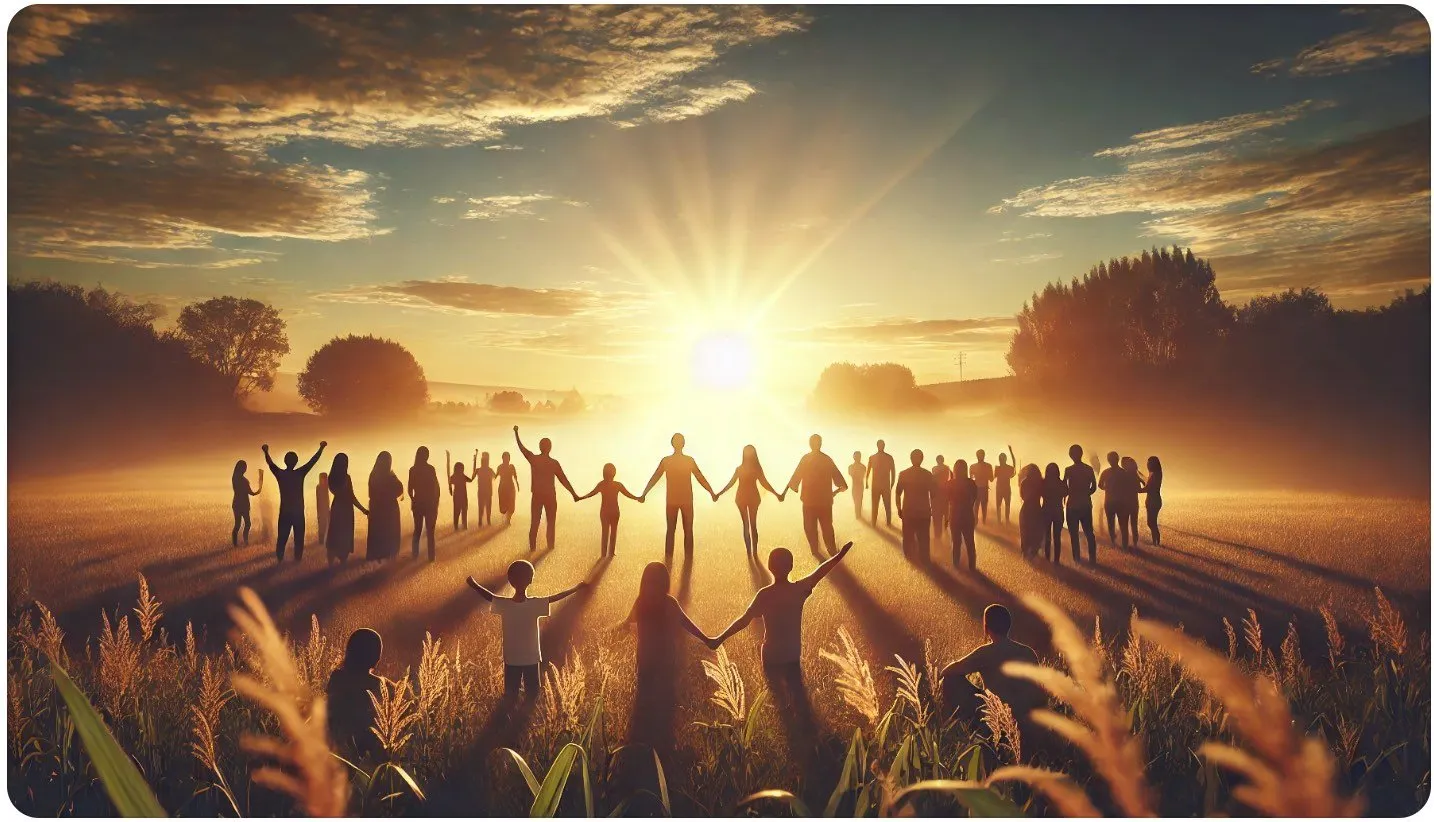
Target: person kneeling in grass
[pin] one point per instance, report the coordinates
(522, 649)
(963, 699)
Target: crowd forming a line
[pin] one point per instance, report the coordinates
(929, 503)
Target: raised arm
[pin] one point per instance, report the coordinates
(826, 567)
(569, 592)
(656, 475)
(254, 492)
(524, 449)
(737, 625)
(475, 463)
(272, 466)
(482, 592)
(448, 470)
(1012, 452)
(314, 460)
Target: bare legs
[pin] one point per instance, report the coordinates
(242, 518)
(749, 526)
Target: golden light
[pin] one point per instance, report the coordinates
(722, 361)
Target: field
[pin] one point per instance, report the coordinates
(78, 544)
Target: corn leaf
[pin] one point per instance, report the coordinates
(122, 781)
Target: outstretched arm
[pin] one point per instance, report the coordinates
(590, 493)
(737, 624)
(655, 476)
(482, 592)
(688, 625)
(526, 453)
(733, 481)
(569, 592)
(826, 567)
(622, 489)
(314, 459)
(254, 492)
(563, 478)
(357, 504)
(762, 480)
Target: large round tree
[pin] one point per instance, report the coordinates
(241, 339)
(363, 377)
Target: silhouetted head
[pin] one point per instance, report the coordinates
(749, 456)
(958, 469)
(1112, 458)
(383, 463)
(678, 441)
(507, 458)
(917, 457)
(881, 446)
(291, 459)
(656, 581)
(856, 456)
(340, 467)
(609, 471)
(545, 445)
(1053, 472)
(240, 468)
(815, 442)
(1076, 452)
(483, 459)
(1001, 459)
(996, 619)
(420, 457)
(458, 469)
(323, 479)
(1031, 470)
(1153, 465)
(520, 574)
(779, 562)
(940, 459)
(1127, 464)
(980, 455)
(364, 650)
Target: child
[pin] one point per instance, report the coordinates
(351, 716)
(322, 498)
(522, 650)
(609, 488)
(458, 488)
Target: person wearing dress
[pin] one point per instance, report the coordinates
(507, 487)
(1031, 518)
(242, 492)
(964, 500)
(483, 477)
(384, 491)
(658, 619)
(1053, 495)
(340, 542)
(1153, 500)
(748, 476)
(321, 504)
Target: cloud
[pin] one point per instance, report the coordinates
(1223, 130)
(500, 206)
(1028, 259)
(502, 147)
(915, 333)
(584, 341)
(40, 33)
(1012, 237)
(484, 298)
(686, 103)
(1392, 31)
(1352, 217)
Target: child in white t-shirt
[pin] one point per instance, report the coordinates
(522, 650)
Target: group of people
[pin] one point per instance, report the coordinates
(929, 503)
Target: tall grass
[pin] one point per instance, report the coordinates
(1142, 721)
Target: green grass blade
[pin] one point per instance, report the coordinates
(404, 775)
(523, 769)
(588, 789)
(122, 781)
(976, 798)
(787, 798)
(662, 784)
(848, 774)
(594, 722)
(750, 726)
(550, 793)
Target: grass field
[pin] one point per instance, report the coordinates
(78, 544)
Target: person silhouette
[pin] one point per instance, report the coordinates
(679, 470)
(608, 515)
(1032, 520)
(747, 477)
(1113, 481)
(960, 697)
(544, 471)
(384, 492)
(458, 489)
(321, 500)
(982, 475)
(1053, 495)
(881, 469)
(657, 617)
(1134, 486)
(1080, 486)
(1153, 500)
(483, 475)
(290, 480)
(940, 501)
(915, 488)
(857, 472)
(340, 541)
(1003, 474)
(964, 498)
(423, 496)
(242, 492)
(351, 693)
(815, 477)
(508, 487)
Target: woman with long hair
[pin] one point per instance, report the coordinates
(340, 543)
(1031, 518)
(963, 500)
(242, 492)
(1130, 498)
(508, 487)
(1153, 500)
(657, 617)
(748, 476)
(483, 475)
(1053, 495)
(352, 689)
(384, 492)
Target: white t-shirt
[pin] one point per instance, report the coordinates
(521, 645)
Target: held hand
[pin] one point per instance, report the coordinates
(584, 585)
(782, 496)
(642, 498)
(714, 496)
(323, 444)
(714, 642)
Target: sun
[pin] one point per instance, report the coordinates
(722, 360)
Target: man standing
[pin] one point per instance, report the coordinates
(423, 492)
(545, 470)
(816, 476)
(940, 496)
(882, 470)
(982, 475)
(914, 490)
(680, 470)
(1004, 473)
(290, 480)
(1080, 485)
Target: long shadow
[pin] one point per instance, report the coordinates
(684, 582)
(366, 578)
(879, 625)
(1284, 559)
(760, 577)
(558, 633)
(470, 542)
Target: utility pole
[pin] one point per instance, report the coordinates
(961, 366)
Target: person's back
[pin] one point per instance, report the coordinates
(815, 472)
(1080, 481)
(857, 472)
(882, 468)
(350, 711)
(780, 606)
(678, 470)
(423, 480)
(963, 499)
(291, 488)
(917, 487)
(543, 476)
(982, 474)
(988, 660)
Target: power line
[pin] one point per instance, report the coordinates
(961, 366)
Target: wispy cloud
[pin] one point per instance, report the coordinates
(685, 103)
(500, 206)
(914, 333)
(485, 298)
(1222, 130)
(1013, 237)
(1391, 32)
(1029, 259)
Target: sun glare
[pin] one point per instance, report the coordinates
(722, 360)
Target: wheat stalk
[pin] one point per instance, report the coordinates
(1289, 775)
(731, 693)
(853, 681)
(147, 612)
(309, 773)
(394, 711)
(908, 687)
(1334, 640)
(563, 697)
(1386, 627)
(1002, 722)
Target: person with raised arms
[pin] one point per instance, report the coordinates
(545, 472)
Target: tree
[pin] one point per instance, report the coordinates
(363, 377)
(508, 402)
(573, 403)
(882, 388)
(242, 339)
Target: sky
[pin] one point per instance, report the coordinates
(610, 199)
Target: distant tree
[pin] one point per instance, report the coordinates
(881, 388)
(363, 377)
(573, 403)
(508, 402)
(242, 339)
(1154, 311)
